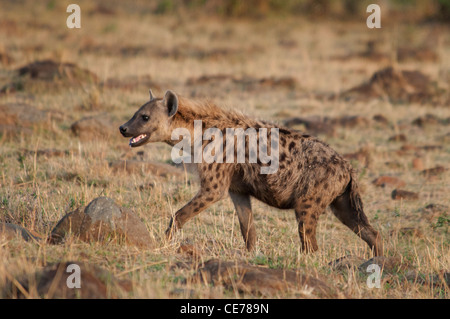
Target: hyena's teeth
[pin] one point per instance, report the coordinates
(137, 138)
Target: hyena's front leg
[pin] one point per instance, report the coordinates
(208, 195)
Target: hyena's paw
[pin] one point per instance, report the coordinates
(171, 230)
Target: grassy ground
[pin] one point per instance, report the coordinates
(37, 191)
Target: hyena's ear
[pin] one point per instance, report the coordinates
(171, 102)
(151, 94)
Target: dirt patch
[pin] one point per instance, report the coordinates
(49, 70)
(47, 75)
(397, 86)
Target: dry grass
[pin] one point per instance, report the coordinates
(37, 191)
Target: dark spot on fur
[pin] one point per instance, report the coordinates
(306, 135)
(215, 186)
(291, 146)
(284, 131)
(201, 205)
(318, 200)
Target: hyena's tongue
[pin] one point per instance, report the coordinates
(136, 139)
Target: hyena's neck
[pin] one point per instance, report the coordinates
(211, 116)
(190, 111)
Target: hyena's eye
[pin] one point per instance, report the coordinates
(145, 118)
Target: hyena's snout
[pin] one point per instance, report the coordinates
(123, 130)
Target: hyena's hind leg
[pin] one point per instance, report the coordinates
(348, 209)
(245, 215)
(307, 215)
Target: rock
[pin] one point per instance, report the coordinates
(429, 120)
(313, 125)
(102, 220)
(417, 164)
(388, 264)
(93, 127)
(346, 263)
(51, 283)
(350, 121)
(380, 118)
(11, 231)
(258, 280)
(327, 126)
(409, 148)
(398, 194)
(439, 280)
(398, 138)
(390, 181)
(145, 167)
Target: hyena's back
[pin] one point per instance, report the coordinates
(308, 170)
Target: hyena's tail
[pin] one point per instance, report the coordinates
(355, 198)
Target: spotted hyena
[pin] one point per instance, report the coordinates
(310, 174)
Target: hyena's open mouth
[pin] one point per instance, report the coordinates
(139, 140)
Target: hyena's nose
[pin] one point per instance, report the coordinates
(122, 129)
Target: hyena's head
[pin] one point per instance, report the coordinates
(151, 123)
